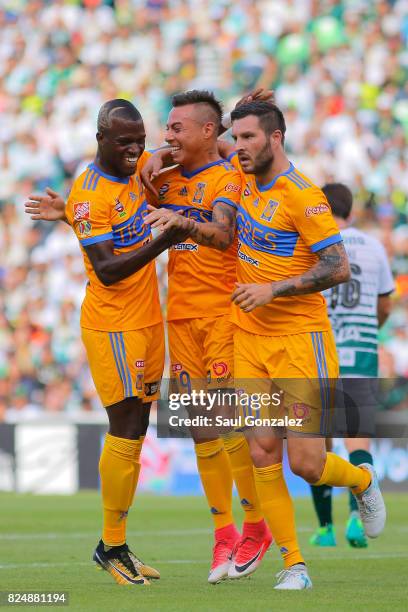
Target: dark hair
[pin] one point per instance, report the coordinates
(270, 116)
(199, 96)
(340, 199)
(116, 108)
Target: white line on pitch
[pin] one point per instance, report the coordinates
(366, 555)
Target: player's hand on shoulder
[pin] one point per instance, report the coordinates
(50, 207)
(150, 171)
(250, 296)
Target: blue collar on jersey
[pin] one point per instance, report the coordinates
(271, 184)
(116, 179)
(194, 172)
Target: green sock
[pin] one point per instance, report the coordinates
(322, 500)
(356, 457)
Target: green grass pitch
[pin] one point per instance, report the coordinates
(46, 542)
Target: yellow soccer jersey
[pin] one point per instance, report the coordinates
(103, 207)
(281, 227)
(201, 279)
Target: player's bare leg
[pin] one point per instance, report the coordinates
(309, 460)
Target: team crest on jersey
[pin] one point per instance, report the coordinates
(84, 228)
(119, 207)
(199, 193)
(183, 191)
(82, 210)
(269, 210)
(163, 190)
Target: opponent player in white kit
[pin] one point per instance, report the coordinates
(357, 309)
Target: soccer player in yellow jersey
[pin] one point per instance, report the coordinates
(206, 189)
(121, 319)
(290, 249)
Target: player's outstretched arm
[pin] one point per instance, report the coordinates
(50, 207)
(218, 233)
(331, 269)
(111, 268)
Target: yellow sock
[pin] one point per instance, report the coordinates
(278, 510)
(119, 469)
(138, 466)
(216, 477)
(243, 475)
(338, 472)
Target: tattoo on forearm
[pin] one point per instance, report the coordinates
(219, 233)
(331, 269)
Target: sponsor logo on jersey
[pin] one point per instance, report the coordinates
(255, 203)
(185, 246)
(320, 209)
(220, 369)
(247, 190)
(232, 187)
(246, 258)
(152, 388)
(163, 190)
(132, 195)
(140, 363)
(183, 191)
(176, 367)
(269, 210)
(81, 210)
(84, 228)
(119, 207)
(199, 193)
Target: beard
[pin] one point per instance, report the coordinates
(264, 160)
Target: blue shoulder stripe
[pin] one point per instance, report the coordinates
(96, 239)
(295, 181)
(317, 246)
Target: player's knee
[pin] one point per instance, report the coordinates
(307, 468)
(263, 456)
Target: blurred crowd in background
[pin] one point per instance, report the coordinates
(339, 71)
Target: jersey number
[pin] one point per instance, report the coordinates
(348, 294)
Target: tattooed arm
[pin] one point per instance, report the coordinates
(218, 233)
(331, 269)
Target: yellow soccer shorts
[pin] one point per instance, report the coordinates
(126, 364)
(201, 352)
(297, 376)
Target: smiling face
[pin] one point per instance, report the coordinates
(188, 133)
(120, 146)
(256, 150)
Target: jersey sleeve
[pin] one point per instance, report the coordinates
(89, 214)
(313, 219)
(146, 155)
(386, 282)
(228, 189)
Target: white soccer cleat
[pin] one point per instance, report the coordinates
(294, 578)
(371, 505)
(226, 540)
